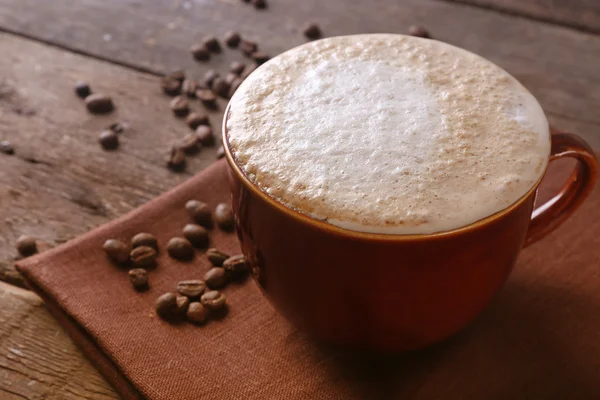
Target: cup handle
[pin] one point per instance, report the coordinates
(548, 216)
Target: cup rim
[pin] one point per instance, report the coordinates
(333, 229)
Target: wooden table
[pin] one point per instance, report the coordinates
(60, 183)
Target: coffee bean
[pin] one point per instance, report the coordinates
(180, 106)
(220, 152)
(189, 144)
(189, 87)
(232, 39)
(117, 127)
(6, 147)
(196, 119)
(248, 47)
(237, 68)
(144, 239)
(143, 256)
(116, 250)
(170, 86)
(259, 57)
(176, 159)
(249, 69)
(209, 77)
(312, 31)
(196, 234)
(224, 216)
(166, 304)
(216, 257)
(205, 136)
(177, 74)
(212, 44)
(236, 267)
(234, 86)
(259, 4)
(196, 313)
(26, 245)
(213, 300)
(193, 288)
(199, 212)
(181, 306)
(138, 278)
(221, 87)
(419, 31)
(207, 97)
(180, 248)
(99, 103)
(230, 77)
(200, 52)
(109, 140)
(82, 89)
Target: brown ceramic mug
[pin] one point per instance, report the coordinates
(393, 292)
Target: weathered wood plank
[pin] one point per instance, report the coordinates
(578, 14)
(37, 358)
(60, 183)
(559, 65)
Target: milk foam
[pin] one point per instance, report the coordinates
(388, 134)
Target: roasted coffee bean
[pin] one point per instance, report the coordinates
(138, 278)
(207, 97)
(116, 250)
(221, 87)
(177, 74)
(232, 39)
(99, 103)
(419, 31)
(196, 119)
(193, 288)
(199, 212)
(166, 304)
(143, 256)
(170, 86)
(236, 267)
(230, 77)
(26, 245)
(248, 47)
(196, 234)
(209, 77)
(189, 144)
(259, 57)
(216, 257)
(237, 68)
(180, 106)
(220, 152)
(189, 87)
(180, 248)
(259, 4)
(109, 140)
(6, 147)
(205, 136)
(181, 306)
(312, 31)
(224, 216)
(176, 159)
(249, 69)
(144, 239)
(82, 89)
(234, 86)
(117, 127)
(213, 300)
(196, 313)
(215, 278)
(212, 44)
(200, 52)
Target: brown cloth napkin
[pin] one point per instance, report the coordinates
(539, 339)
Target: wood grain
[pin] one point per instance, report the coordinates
(37, 359)
(578, 14)
(60, 183)
(558, 65)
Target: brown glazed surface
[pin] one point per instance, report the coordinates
(392, 292)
